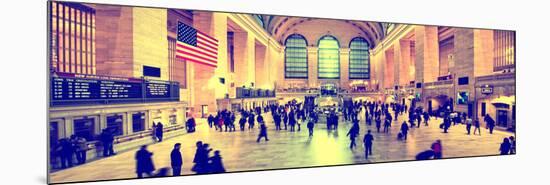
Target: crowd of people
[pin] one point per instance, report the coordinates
(290, 117)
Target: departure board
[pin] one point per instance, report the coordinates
(73, 90)
(90, 89)
(157, 89)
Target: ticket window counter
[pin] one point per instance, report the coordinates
(114, 124)
(85, 128)
(138, 122)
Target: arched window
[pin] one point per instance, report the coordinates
(295, 56)
(329, 57)
(359, 60)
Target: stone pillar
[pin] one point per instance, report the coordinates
(261, 66)
(389, 68)
(397, 63)
(128, 122)
(241, 50)
(150, 42)
(206, 86)
(404, 63)
(344, 68)
(69, 126)
(250, 60)
(427, 54)
(312, 53)
(483, 52)
(102, 121)
(148, 119)
(114, 41)
(464, 63)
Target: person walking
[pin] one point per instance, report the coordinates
(310, 125)
(477, 127)
(512, 145)
(291, 120)
(352, 133)
(242, 122)
(490, 123)
(190, 124)
(210, 120)
(276, 120)
(446, 124)
(404, 130)
(437, 148)
(67, 151)
(468, 125)
(505, 147)
(81, 147)
(263, 133)
(176, 160)
(250, 121)
(201, 158)
(216, 164)
(107, 140)
(426, 118)
(144, 162)
(367, 141)
(160, 131)
(387, 125)
(154, 132)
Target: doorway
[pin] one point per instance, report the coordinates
(502, 118)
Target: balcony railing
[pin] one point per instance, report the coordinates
(496, 77)
(438, 83)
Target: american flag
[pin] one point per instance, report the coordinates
(194, 46)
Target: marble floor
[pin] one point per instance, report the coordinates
(285, 149)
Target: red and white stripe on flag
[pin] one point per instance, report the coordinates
(206, 51)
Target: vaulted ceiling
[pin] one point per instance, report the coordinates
(281, 26)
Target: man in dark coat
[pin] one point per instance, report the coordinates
(190, 124)
(250, 121)
(210, 120)
(367, 141)
(352, 133)
(291, 120)
(176, 160)
(67, 151)
(490, 123)
(277, 120)
(216, 164)
(425, 155)
(263, 132)
(144, 162)
(426, 118)
(107, 140)
(160, 131)
(242, 122)
(387, 125)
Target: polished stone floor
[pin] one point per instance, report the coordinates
(286, 149)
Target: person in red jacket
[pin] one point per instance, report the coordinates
(438, 149)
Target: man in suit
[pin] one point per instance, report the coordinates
(176, 160)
